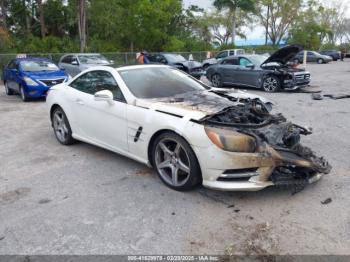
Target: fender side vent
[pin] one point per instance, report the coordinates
(138, 133)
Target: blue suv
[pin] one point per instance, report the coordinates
(32, 77)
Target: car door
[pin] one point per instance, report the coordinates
(99, 121)
(228, 69)
(247, 74)
(70, 64)
(12, 75)
(311, 57)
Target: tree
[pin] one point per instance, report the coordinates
(42, 18)
(279, 16)
(3, 13)
(82, 24)
(233, 6)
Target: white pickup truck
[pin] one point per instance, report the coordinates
(221, 55)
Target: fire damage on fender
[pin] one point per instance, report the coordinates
(275, 137)
(270, 145)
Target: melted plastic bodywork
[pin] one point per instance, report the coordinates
(291, 163)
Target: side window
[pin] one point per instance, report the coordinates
(12, 65)
(152, 58)
(310, 54)
(95, 81)
(67, 59)
(244, 61)
(222, 54)
(105, 81)
(84, 83)
(232, 52)
(230, 62)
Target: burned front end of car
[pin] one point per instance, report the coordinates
(264, 148)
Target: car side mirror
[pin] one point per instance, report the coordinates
(104, 95)
(74, 62)
(251, 66)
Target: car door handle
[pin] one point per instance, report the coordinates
(79, 102)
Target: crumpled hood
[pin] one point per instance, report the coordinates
(284, 55)
(191, 64)
(196, 105)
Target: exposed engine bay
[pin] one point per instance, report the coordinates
(251, 117)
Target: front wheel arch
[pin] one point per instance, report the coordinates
(153, 139)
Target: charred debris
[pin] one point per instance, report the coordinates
(252, 117)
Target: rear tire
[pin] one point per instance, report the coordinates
(216, 80)
(175, 162)
(61, 127)
(320, 61)
(23, 95)
(271, 84)
(8, 91)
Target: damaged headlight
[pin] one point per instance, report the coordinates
(230, 140)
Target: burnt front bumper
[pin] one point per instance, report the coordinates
(256, 171)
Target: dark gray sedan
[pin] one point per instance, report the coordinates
(312, 56)
(268, 73)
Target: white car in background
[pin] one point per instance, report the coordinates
(221, 55)
(190, 133)
(76, 63)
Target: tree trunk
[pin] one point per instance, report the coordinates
(267, 24)
(42, 18)
(3, 21)
(234, 18)
(27, 18)
(82, 24)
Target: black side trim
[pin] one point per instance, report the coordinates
(171, 114)
(138, 133)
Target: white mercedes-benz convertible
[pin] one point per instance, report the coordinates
(190, 133)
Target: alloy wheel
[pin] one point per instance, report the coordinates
(270, 84)
(172, 162)
(59, 126)
(216, 80)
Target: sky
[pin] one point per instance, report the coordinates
(252, 35)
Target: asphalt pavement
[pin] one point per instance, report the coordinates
(82, 199)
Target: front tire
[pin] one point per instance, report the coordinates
(271, 84)
(216, 80)
(175, 162)
(23, 95)
(61, 127)
(320, 61)
(8, 91)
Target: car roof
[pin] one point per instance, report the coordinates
(237, 56)
(82, 54)
(132, 67)
(33, 59)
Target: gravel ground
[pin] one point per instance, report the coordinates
(85, 200)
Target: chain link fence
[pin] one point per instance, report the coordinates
(119, 58)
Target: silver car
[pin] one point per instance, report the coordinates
(76, 63)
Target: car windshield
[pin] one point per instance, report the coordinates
(35, 66)
(257, 60)
(92, 59)
(172, 58)
(157, 82)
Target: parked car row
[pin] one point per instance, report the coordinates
(32, 77)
